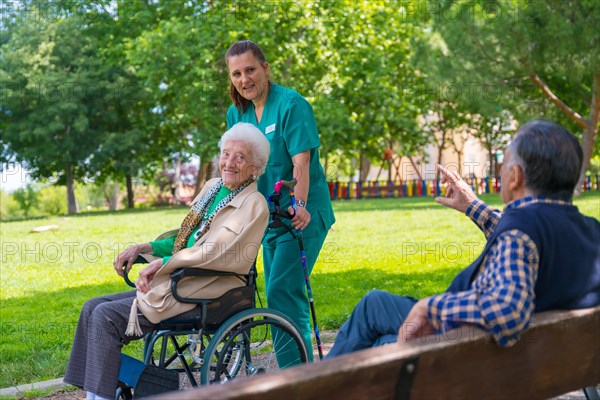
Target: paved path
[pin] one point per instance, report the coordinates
(50, 386)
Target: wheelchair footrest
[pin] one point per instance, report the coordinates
(146, 379)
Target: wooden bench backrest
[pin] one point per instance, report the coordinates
(560, 352)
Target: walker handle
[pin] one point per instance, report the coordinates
(288, 184)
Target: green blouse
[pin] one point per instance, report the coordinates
(164, 248)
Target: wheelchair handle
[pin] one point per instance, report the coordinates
(288, 184)
(138, 260)
(126, 278)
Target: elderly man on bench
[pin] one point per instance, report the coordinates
(541, 253)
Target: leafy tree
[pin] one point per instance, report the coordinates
(493, 133)
(128, 150)
(372, 79)
(178, 59)
(56, 90)
(521, 56)
(349, 60)
(8, 206)
(70, 100)
(27, 198)
(442, 123)
(52, 200)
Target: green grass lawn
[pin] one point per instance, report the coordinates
(406, 246)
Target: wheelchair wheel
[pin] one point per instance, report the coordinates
(252, 342)
(123, 392)
(180, 351)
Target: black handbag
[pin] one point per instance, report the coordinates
(145, 379)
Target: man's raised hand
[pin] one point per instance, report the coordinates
(458, 194)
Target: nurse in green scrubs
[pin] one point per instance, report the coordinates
(287, 120)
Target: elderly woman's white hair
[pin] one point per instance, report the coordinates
(256, 140)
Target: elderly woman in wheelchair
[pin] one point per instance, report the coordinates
(199, 282)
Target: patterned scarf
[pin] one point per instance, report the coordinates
(199, 210)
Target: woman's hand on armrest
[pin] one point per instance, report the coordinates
(147, 275)
(127, 257)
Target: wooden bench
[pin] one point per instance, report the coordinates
(559, 353)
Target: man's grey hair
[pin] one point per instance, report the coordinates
(514, 156)
(550, 156)
(256, 140)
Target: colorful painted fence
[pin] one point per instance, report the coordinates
(412, 188)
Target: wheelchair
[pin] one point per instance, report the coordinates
(229, 338)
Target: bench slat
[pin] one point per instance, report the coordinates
(559, 353)
(551, 359)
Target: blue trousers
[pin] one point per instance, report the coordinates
(375, 321)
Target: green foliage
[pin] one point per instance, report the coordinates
(486, 57)
(93, 197)
(595, 166)
(52, 200)
(54, 80)
(349, 59)
(47, 200)
(415, 248)
(27, 198)
(68, 104)
(108, 91)
(9, 207)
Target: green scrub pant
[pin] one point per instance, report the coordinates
(285, 283)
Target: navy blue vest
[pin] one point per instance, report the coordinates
(568, 244)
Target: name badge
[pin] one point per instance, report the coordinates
(270, 128)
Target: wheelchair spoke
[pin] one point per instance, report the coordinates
(257, 342)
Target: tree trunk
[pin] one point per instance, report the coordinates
(589, 126)
(199, 179)
(177, 177)
(365, 165)
(459, 149)
(360, 165)
(440, 150)
(71, 201)
(587, 144)
(491, 158)
(397, 165)
(415, 167)
(129, 183)
(205, 172)
(591, 130)
(391, 156)
(111, 193)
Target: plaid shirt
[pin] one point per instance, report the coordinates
(501, 299)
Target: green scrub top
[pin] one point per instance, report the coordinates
(289, 124)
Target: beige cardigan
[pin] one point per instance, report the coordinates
(231, 244)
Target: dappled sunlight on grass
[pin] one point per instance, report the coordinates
(80, 252)
(38, 329)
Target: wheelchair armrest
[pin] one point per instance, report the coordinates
(181, 273)
(138, 260)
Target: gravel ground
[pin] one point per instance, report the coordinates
(70, 393)
(80, 395)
